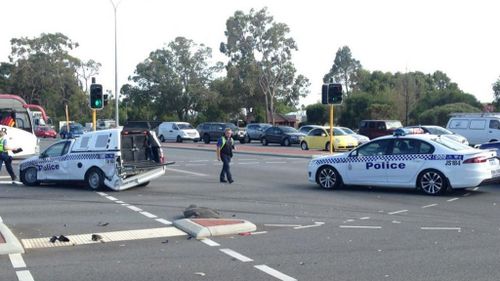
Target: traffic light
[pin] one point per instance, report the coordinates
(106, 99)
(96, 97)
(331, 93)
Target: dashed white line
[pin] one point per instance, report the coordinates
(398, 212)
(349, 220)
(428, 206)
(186, 172)
(210, 243)
(459, 229)
(102, 193)
(452, 199)
(119, 202)
(364, 218)
(164, 221)
(273, 272)
(283, 225)
(112, 198)
(125, 204)
(361, 226)
(17, 261)
(24, 275)
(466, 194)
(236, 255)
(134, 208)
(149, 215)
(316, 224)
(258, 232)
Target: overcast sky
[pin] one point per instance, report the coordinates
(459, 38)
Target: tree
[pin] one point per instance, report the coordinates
(85, 71)
(260, 47)
(317, 114)
(344, 69)
(496, 92)
(439, 115)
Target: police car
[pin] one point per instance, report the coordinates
(116, 158)
(407, 159)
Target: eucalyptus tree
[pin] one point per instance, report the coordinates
(344, 69)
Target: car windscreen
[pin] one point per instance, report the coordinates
(393, 124)
(337, 132)
(454, 145)
(183, 126)
(289, 130)
(438, 131)
(348, 131)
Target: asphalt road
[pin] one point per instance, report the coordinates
(304, 233)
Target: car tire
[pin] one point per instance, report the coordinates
(286, 142)
(247, 139)
(179, 139)
(304, 146)
(206, 139)
(328, 178)
(94, 178)
(327, 146)
(162, 138)
(264, 142)
(432, 182)
(29, 177)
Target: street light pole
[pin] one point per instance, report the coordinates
(117, 94)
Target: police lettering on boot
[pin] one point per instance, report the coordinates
(385, 166)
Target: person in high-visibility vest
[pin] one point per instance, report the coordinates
(225, 146)
(4, 155)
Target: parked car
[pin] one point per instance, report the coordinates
(75, 130)
(254, 131)
(319, 138)
(283, 135)
(45, 132)
(178, 131)
(476, 127)
(440, 131)
(360, 138)
(212, 131)
(377, 128)
(494, 145)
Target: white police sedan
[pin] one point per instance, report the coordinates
(407, 159)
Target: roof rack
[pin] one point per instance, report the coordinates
(476, 114)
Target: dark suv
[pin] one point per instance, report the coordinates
(212, 131)
(254, 131)
(377, 128)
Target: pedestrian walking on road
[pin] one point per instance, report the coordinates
(4, 155)
(225, 146)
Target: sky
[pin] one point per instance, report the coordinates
(457, 37)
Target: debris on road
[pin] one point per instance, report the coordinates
(194, 211)
(96, 237)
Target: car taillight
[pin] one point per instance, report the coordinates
(478, 159)
(162, 157)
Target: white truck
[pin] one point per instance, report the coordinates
(116, 158)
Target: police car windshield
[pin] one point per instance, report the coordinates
(454, 145)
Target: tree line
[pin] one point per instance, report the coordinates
(179, 81)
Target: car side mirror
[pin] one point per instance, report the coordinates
(43, 155)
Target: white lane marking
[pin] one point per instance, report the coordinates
(17, 260)
(452, 199)
(112, 198)
(398, 212)
(134, 208)
(258, 232)
(164, 221)
(361, 226)
(428, 206)
(316, 224)
(119, 202)
(459, 229)
(364, 218)
(466, 194)
(210, 243)
(194, 161)
(283, 225)
(396, 222)
(186, 172)
(4, 177)
(275, 162)
(102, 193)
(24, 275)
(349, 220)
(149, 215)
(247, 163)
(273, 272)
(475, 188)
(125, 204)
(236, 255)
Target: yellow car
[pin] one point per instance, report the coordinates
(319, 138)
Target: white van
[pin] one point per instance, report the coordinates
(178, 131)
(478, 128)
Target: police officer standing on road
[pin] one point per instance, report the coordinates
(225, 146)
(4, 155)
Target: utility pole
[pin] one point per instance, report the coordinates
(117, 95)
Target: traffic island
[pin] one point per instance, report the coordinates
(8, 242)
(203, 228)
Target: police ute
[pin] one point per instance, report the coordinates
(408, 159)
(116, 158)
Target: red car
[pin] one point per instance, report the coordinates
(45, 132)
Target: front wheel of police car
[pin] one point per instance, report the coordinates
(29, 177)
(94, 179)
(328, 178)
(432, 182)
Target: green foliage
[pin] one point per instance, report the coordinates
(496, 93)
(344, 69)
(317, 114)
(439, 115)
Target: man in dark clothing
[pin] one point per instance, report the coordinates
(225, 146)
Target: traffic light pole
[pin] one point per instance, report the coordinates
(94, 119)
(332, 149)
